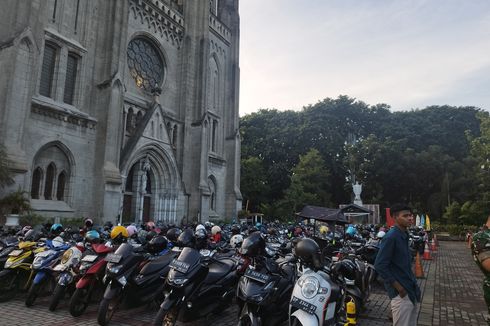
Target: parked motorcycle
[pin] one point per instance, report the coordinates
(68, 274)
(317, 300)
(197, 284)
(264, 291)
(17, 269)
(42, 274)
(91, 272)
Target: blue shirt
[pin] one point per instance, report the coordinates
(394, 263)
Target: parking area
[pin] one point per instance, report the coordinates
(452, 295)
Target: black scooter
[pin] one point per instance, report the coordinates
(264, 291)
(197, 285)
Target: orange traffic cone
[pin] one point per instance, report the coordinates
(433, 245)
(426, 253)
(419, 271)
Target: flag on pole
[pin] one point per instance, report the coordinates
(417, 220)
(422, 220)
(427, 222)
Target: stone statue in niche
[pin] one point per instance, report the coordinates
(357, 189)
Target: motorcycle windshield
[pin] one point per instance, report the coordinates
(124, 250)
(185, 263)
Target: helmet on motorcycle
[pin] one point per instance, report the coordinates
(235, 229)
(351, 231)
(58, 242)
(253, 245)
(380, 234)
(26, 229)
(89, 223)
(258, 225)
(150, 225)
(150, 235)
(186, 239)
(200, 227)
(348, 269)
(201, 234)
(323, 229)
(215, 229)
(131, 230)
(92, 235)
(56, 229)
(308, 251)
(236, 241)
(119, 231)
(108, 226)
(173, 234)
(157, 244)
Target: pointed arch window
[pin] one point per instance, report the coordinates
(129, 180)
(148, 183)
(37, 177)
(48, 187)
(60, 189)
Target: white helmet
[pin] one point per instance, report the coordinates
(200, 227)
(380, 234)
(215, 229)
(236, 241)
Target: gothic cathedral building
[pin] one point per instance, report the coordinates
(122, 109)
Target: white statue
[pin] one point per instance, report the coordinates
(357, 189)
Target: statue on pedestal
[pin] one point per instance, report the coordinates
(357, 189)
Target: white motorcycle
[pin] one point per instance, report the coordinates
(68, 270)
(316, 300)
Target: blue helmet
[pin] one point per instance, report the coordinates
(351, 230)
(92, 235)
(56, 228)
(258, 225)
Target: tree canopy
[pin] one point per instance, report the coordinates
(437, 158)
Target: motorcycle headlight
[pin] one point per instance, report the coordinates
(310, 287)
(122, 280)
(66, 256)
(114, 269)
(8, 263)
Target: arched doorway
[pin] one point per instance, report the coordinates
(138, 200)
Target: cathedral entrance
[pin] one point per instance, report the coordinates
(138, 193)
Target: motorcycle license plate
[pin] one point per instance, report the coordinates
(89, 258)
(256, 276)
(180, 266)
(15, 253)
(303, 305)
(113, 258)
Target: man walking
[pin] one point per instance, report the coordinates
(394, 265)
(481, 253)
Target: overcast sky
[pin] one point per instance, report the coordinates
(405, 53)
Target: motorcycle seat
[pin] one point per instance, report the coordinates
(218, 269)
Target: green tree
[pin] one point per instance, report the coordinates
(254, 183)
(309, 182)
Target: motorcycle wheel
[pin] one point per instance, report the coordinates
(166, 317)
(58, 294)
(8, 287)
(79, 302)
(33, 293)
(107, 308)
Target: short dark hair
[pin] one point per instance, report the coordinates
(397, 208)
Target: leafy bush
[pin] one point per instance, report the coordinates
(454, 229)
(33, 219)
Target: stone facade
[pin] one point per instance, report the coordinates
(122, 108)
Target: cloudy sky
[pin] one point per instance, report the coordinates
(405, 53)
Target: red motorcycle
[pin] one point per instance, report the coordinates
(92, 271)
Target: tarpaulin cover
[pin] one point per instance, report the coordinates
(323, 214)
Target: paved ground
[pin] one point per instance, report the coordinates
(452, 295)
